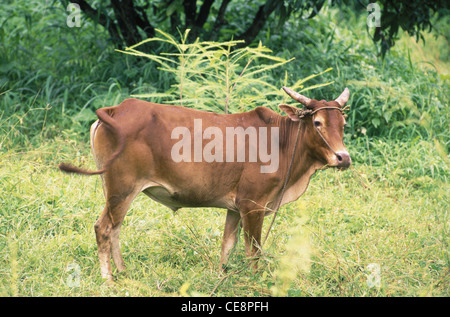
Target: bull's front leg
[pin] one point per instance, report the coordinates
(252, 222)
(230, 236)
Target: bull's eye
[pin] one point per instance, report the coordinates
(317, 123)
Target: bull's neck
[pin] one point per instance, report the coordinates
(303, 164)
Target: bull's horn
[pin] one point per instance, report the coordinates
(296, 96)
(343, 98)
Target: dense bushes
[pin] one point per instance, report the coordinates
(61, 75)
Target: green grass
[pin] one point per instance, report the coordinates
(343, 223)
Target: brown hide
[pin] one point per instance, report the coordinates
(133, 144)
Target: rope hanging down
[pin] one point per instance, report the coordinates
(301, 113)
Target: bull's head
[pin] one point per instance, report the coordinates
(325, 127)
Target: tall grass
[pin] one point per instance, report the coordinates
(69, 71)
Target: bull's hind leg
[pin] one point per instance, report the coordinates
(107, 230)
(115, 249)
(103, 229)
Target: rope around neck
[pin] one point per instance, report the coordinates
(285, 182)
(301, 113)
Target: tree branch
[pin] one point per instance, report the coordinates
(204, 13)
(102, 19)
(260, 19)
(190, 11)
(126, 19)
(220, 20)
(143, 22)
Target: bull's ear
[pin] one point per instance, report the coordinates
(291, 111)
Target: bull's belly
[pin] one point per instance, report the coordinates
(177, 199)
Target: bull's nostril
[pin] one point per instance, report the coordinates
(343, 159)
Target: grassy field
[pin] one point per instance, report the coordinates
(323, 245)
(380, 228)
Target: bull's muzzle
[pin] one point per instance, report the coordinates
(344, 160)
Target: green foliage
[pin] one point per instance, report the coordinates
(391, 97)
(45, 64)
(217, 77)
(413, 17)
(132, 21)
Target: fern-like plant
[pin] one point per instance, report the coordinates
(215, 76)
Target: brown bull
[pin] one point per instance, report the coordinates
(182, 157)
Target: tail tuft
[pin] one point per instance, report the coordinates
(76, 170)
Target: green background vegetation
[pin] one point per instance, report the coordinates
(390, 208)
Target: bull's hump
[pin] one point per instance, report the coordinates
(266, 115)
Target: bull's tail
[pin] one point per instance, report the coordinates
(112, 125)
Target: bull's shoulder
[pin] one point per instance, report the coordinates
(265, 114)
